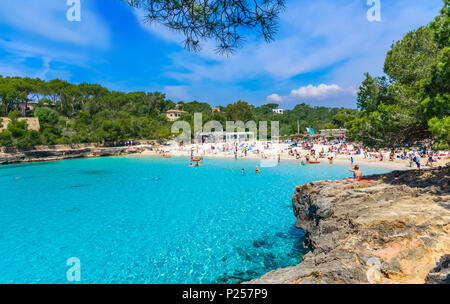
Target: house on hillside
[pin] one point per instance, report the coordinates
(278, 111)
(26, 107)
(173, 115)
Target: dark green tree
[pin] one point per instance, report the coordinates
(222, 20)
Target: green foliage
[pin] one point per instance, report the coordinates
(87, 113)
(239, 111)
(222, 20)
(414, 102)
(17, 134)
(48, 120)
(13, 115)
(12, 91)
(342, 118)
(441, 129)
(46, 116)
(372, 92)
(163, 134)
(6, 139)
(195, 107)
(412, 58)
(28, 139)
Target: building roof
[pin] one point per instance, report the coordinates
(298, 135)
(28, 102)
(175, 111)
(333, 131)
(218, 133)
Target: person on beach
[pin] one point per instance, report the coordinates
(430, 160)
(416, 159)
(357, 174)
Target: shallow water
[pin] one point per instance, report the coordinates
(149, 220)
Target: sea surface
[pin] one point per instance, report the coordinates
(150, 220)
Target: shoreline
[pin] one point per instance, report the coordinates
(44, 155)
(396, 165)
(319, 194)
(35, 156)
(260, 152)
(394, 231)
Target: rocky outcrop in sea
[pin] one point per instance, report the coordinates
(395, 230)
(64, 153)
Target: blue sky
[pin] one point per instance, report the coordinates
(321, 51)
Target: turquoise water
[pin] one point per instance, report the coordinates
(148, 220)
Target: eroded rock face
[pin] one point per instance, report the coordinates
(392, 231)
(441, 273)
(48, 155)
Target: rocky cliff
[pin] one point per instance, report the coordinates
(58, 154)
(395, 230)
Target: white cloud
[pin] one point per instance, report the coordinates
(322, 91)
(333, 39)
(274, 98)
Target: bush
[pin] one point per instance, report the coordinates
(6, 139)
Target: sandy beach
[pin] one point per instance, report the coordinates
(283, 151)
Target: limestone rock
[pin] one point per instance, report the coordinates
(392, 231)
(63, 153)
(441, 273)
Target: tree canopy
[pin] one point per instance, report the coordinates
(412, 102)
(224, 21)
(90, 113)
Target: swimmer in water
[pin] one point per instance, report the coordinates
(257, 170)
(243, 172)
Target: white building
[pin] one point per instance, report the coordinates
(220, 137)
(278, 111)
